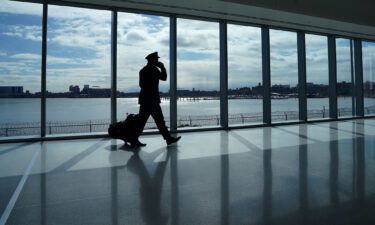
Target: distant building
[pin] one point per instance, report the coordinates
(258, 90)
(281, 89)
(96, 91)
(11, 91)
(74, 89)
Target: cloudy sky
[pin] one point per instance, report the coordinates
(78, 50)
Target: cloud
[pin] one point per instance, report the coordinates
(52, 60)
(2, 53)
(33, 81)
(26, 56)
(21, 67)
(284, 64)
(7, 6)
(135, 36)
(368, 51)
(81, 33)
(33, 33)
(316, 59)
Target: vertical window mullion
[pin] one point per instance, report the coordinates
(43, 72)
(223, 75)
(301, 46)
(266, 71)
(114, 67)
(332, 67)
(353, 91)
(358, 76)
(173, 73)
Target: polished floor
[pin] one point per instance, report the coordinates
(322, 173)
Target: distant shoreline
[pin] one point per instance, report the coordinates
(184, 97)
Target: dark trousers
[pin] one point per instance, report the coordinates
(154, 110)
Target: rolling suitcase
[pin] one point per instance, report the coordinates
(126, 130)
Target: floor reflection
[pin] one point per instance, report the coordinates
(224, 168)
(329, 179)
(172, 152)
(267, 181)
(150, 187)
(303, 174)
(334, 168)
(360, 163)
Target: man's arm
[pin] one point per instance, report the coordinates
(163, 73)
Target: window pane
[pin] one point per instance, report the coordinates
(368, 52)
(244, 75)
(78, 70)
(137, 36)
(198, 76)
(284, 75)
(317, 76)
(344, 78)
(20, 63)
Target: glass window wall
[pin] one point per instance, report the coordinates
(137, 36)
(198, 73)
(368, 54)
(20, 63)
(317, 77)
(78, 70)
(245, 96)
(344, 78)
(284, 75)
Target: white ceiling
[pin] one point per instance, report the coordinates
(342, 17)
(352, 11)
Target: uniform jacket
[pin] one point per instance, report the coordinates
(149, 77)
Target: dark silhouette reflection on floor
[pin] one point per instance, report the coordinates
(224, 145)
(150, 187)
(334, 169)
(267, 181)
(360, 164)
(303, 175)
(172, 155)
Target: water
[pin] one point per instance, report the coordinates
(20, 110)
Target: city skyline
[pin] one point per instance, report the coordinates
(313, 90)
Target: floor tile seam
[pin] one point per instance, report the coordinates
(14, 148)
(315, 172)
(257, 149)
(280, 164)
(306, 137)
(10, 206)
(248, 144)
(361, 121)
(133, 193)
(364, 124)
(74, 160)
(341, 130)
(109, 196)
(68, 201)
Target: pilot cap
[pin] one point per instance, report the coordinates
(152, 56)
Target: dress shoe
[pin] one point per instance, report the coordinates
(172, 140)
(137, 143)
(140, 144)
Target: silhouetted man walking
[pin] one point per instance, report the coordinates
(149, 98)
